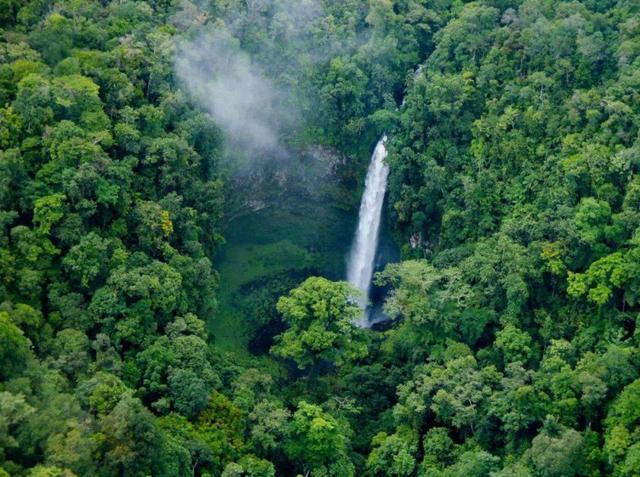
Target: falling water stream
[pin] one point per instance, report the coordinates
(361, 261)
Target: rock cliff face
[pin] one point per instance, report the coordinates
(315, 174)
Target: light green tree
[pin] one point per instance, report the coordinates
(318, 442)
(320, 315)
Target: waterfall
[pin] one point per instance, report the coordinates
(361, 260)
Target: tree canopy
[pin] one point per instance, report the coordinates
(510, 345)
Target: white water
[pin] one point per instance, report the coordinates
(363, 251)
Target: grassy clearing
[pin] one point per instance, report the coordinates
(297, 239)
(243, 264)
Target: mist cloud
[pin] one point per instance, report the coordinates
(256, 98)
(229, 86)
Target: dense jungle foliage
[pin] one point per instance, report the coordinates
(513, 348)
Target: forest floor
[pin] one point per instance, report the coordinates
(293, 241)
